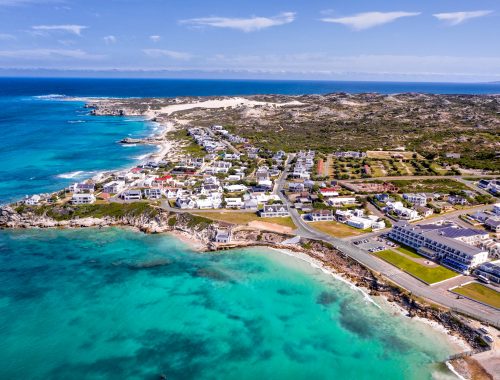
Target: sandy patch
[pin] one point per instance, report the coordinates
(218, 103)
(269, 227)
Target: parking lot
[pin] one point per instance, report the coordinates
(374, 244)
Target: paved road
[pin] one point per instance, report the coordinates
(436, 294)
(225, 142)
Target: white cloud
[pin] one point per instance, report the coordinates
(48, 54)
(158, 53)
(455, 18)
(74, 29)
(390, 65)
(367, 20)
(109, 40)
(250, 24)
(6, 37)
(155, 38)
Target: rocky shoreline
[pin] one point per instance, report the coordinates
(202, 231)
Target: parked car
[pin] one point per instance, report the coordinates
(488, 338)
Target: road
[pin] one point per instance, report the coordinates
(225, 142)
(438, 294)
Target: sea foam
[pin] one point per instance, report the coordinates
(70, 175)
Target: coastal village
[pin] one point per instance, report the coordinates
(441, 229)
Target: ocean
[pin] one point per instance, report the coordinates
(48, 144)
(117, 304)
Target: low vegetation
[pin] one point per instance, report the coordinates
(429, 186)
(114, 210)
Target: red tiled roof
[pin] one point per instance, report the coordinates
(164, 178)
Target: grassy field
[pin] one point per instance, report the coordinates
(245, 218)
(426, 274)
(480, 293)
(336, 229)
(409, 252)
(389, 154)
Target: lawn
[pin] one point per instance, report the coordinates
(426, 274)
(245, 218)
(336, 229)
(480, 293)
(409, 252)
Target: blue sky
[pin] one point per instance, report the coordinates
(425, 40)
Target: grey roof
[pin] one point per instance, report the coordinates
(454, 244)
(491, 267)
(434, 232)
(461, 232)
(493, 222)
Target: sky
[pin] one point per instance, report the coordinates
(405, 40)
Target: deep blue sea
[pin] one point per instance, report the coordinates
(117, 304)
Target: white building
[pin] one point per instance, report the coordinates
(234, 202)
(401, 211)
(416, 199)
(442, 243)
(496, 209)
(490, 270)
(83, 187)
(131, 195)
(33, 200)
(329, 192)
(322, 215)
(359, 222)
(275, 210)
(113, 187)
(153, 193)
(223, 235)
(185, 203)
(340, 201)
(235, 188)
(82, 198)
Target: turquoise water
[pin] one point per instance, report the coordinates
(48, 144)
(117, 304)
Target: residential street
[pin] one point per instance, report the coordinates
(437, 294)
